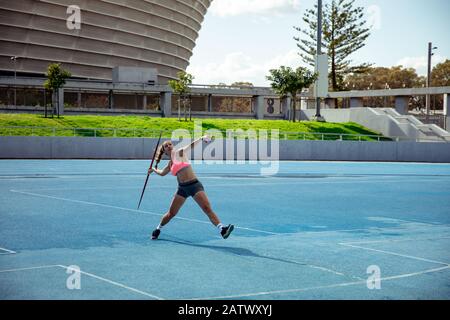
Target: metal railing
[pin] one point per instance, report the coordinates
(231, 133)
(152, 133)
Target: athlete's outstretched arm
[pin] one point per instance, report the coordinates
(181, 151)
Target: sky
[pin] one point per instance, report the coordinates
(241, 40)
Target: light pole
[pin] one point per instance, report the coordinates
(14, 58)
(370, 98)
(430, 54)
(319, 48)
(386, 87)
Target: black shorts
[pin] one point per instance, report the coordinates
(189, 189)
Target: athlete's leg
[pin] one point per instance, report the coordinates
(202, 200)
(177, 203)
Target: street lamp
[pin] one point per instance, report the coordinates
(319, 49)
(430, 54)
(386, 86)
(369, 100)
(14, 58)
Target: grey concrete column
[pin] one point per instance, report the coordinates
(79, 99)
(356, 102)
(401, 104)
(166, 104)
(329, 103)
(144, 102)
(209, 108)
(304, 104)
(285, 105)
(111, 99)
(259, 106)
(61, 101)
(447, 111)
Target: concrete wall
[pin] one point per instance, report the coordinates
(134, 74)
(330, 115)
(76, 148)
(141, 148)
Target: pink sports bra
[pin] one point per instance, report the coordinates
(177, 165)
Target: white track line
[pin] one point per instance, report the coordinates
(7, 251)
(87, 274)
(393, 240)
(256, 184)
(285, 181)
(396, 254)
(191, 220)
(159, 187)
(201, 221)
(445, 266)
(30, 268)
(115, 283)
(245, 295)
(132, 210)
(291, 181)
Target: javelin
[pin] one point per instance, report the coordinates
(148, 174)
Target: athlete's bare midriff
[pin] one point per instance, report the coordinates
(186, 174)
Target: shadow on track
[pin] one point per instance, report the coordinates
(233, 250)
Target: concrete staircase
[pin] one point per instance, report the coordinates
(412, 128)
(387, 121)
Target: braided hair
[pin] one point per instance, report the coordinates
(159, 154)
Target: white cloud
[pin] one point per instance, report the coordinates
(224, 8)
(420, 63)
(237, 67)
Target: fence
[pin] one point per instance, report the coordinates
(152, 133)
(437, 119)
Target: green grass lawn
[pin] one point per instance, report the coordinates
(144, 126)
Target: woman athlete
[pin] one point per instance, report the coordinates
(188, 185)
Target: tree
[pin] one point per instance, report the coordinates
(378, 78)
(440, 76)
(383, 78)
(344, 32)
(286, 81)
(181, 87)
(56, 79)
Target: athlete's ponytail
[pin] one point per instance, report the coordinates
(159, 155)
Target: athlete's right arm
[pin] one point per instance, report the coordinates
(162, 172)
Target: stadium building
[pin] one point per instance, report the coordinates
(157, 34)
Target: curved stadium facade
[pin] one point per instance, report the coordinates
(158, 34)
